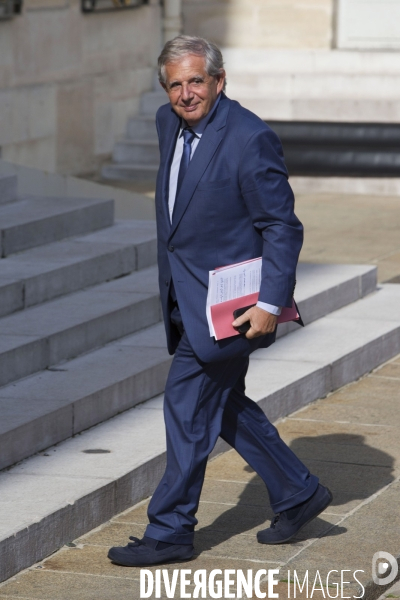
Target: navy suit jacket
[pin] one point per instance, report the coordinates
(234, 204)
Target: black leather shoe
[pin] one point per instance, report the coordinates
(147, 552)
(288, 523)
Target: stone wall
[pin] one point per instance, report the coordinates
(372, 24)
(68, 81)
(262, 23)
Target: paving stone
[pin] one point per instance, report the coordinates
(233, 520)
(375, 526)
(93, 560)
(231, 493)
(137, 515)
(337, 447)
(355, 480)
(116, 534)
(230, 467)
(381, 442)
(366, 392)
(347, 217)
(390, 370)
(88, 559)
(389, 268)
(393, 592)
(250, 519)
(45, 585)
(218, 544)
(384, 414)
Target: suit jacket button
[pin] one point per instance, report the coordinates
(167, 282)
(171, 248)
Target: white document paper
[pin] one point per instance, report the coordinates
(233, 281)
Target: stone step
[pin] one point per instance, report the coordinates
(150, 102)
(129, 172)
(40, 274)
(342, 110)
(49, 500)
(312, 61)
(142, 127)
(50, 406)
(8, 188)
(35, 221)
(308, 86)
(139, 152)
(42, 336)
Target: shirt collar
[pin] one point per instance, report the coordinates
(198, 129)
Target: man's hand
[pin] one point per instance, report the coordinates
(261, 322)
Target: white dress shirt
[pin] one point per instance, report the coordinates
(198, 130)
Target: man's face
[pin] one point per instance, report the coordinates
(191, 91)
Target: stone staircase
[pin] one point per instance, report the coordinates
(281, 86)
(136, 157)
(81, 341)
(315, 85)
(62, 299)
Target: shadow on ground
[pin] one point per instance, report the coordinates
(352, 469)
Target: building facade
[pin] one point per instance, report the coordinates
(69, 80)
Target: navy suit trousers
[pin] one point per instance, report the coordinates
(204, 401)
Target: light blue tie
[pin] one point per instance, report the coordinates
(188, 137)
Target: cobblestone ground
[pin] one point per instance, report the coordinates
(352, 229)
(349, 439)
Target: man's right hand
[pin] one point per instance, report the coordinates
(261, 322)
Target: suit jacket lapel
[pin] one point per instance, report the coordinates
(210, 140)
(171, 133)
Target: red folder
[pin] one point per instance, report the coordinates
(222, 315)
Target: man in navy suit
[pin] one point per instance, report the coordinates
(222, 197)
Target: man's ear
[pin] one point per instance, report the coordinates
(220, 77)
(164, 86)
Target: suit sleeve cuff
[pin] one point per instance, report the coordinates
(274, 310)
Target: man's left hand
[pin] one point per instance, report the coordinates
(261, 322)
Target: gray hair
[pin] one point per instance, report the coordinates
(182, 45)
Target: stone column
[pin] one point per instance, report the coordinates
(172, 19)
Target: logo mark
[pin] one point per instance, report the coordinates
(385, 571)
